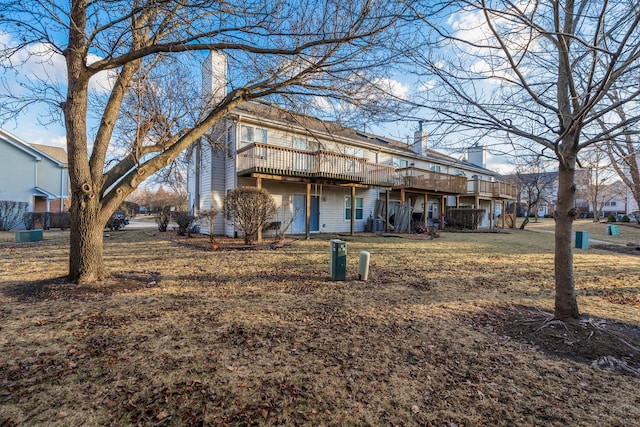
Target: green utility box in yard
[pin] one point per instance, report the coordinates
(612, 230)
(582, 239)
(338, 260)
(23, 236)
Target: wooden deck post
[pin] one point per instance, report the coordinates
(491, 208)
(425, 211)
(259, 185)
(386, 211)
(442, 208)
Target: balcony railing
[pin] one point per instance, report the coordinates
(421, 179)
(492, 189)
(273, 160)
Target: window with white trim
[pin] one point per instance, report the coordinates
(251, 134)
(399, 163)
(347, 208)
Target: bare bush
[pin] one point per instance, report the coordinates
(184, 221)
(163, 220)
(210, 215)
(249, 209)
(11, 213)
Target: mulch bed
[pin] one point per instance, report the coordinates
(600, 343)
(626, 250)
(220, 243)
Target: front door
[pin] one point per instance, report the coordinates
(315, 214)
(299, 209)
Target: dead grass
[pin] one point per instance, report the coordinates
(629, 232)
(450, 331)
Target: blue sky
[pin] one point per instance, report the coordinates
(34, 125)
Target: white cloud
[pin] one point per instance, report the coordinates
(426, 86)
(392, 87)
(103, 81)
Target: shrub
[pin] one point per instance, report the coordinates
(61, 220)
(250, 209)
(184, 221)
(611, 218)
(46, 220)
(625, 219)
(163, 220)
(11, 213)
(210, 215)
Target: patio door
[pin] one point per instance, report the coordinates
(299, 206)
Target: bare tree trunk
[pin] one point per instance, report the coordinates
(85, 258)
(566, 306)
(86, 263)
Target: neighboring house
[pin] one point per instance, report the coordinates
(32, 173)
(540, 186)
(611, 198)
(328, 178)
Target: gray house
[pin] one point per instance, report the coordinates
(36, 174)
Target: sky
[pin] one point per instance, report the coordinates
(34, 124)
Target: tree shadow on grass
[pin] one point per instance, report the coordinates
(60, 288)
(599, 342)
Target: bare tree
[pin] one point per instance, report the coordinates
(535, 76)
(277, 51)
(535, 185)
(594, 182)
(250, 209)
(624, 150)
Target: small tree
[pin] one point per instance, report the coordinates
(210, 215)
(250, 209)
(163, 220)
(184, 221)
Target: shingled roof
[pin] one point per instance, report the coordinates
(57, 153)
(309, 123)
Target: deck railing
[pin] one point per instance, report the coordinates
(421, 179)
(281, 161)
(492, 188)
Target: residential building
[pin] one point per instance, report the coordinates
(32, 173)
(328, 178)
(611, 198)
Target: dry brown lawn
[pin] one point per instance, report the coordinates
(454, 331)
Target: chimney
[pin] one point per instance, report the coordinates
(214, 77)
(477, 155)
(420, 140)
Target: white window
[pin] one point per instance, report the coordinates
(250, 135)
(353, 151)
(399, 163)
(301, 143)
(347, 208)
(435, 168)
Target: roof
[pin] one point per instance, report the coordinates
(309, 123)
(57, 153)
(38, 152)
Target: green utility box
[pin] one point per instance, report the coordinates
(612, 230)
(23, 236)
(582, 239)
(338, 260)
